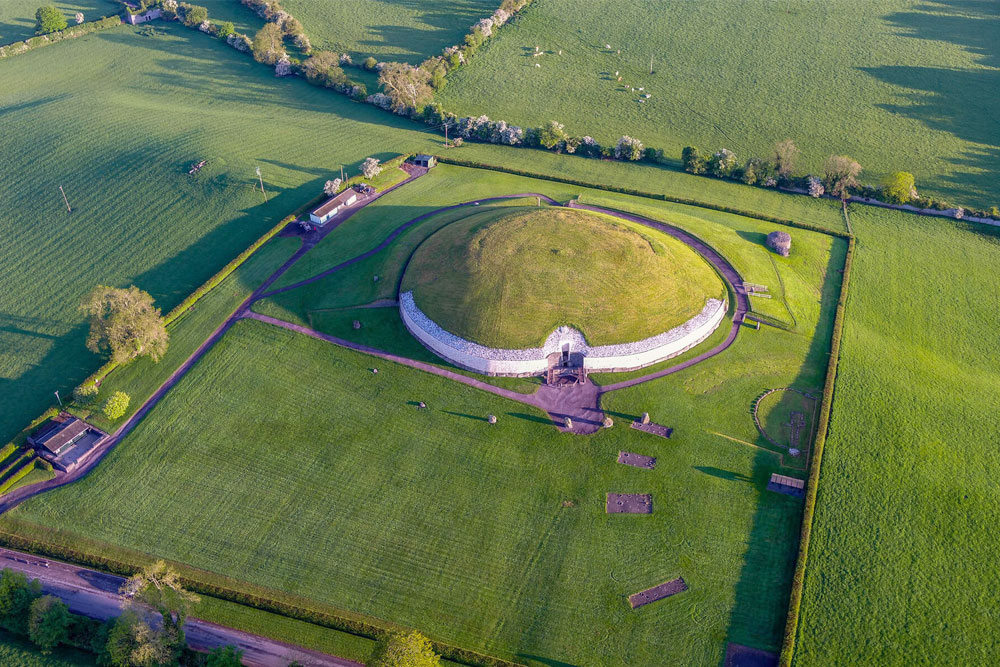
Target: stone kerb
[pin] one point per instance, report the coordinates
(533, 361)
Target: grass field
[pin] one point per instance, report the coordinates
(17, 17)
(133, 113)
(897, 84)
(241, 435)
(908, 500)
(509, 278)
(389, 30)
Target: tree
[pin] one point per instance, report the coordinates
(49, 19)
(405, 649)
(816, 188)
(133, 643)
(224, 656)
(16, 596)
(628, 148)
(125, 323)
(268, 47)
(78, 17)
(370, 63)
(370, 168)
(116, 405)
(408, 87)
(841, 175)
(159, 586)
(899, 188)
(226, 29)
(331, 187)
(693, 160)
(785, 155)
(323, 68)
(193, 14)
(551, 134)
(722, 163)
(48, 622)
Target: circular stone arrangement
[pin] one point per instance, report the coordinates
(502, 290)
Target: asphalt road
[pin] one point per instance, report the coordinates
(95, 594)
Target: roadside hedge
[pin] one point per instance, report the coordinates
(201, 291)
(7, 450)
(10, 467)
(19, 475)
(795, 599)
(640, 193)
(38, 41)
(343, 621)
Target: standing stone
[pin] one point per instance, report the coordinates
(608, 422)
(491, 419)
(357, 324)
(375, 279)
(421, 405)
(374, 371)
(645, 417)
(779, 242)
(568, 423)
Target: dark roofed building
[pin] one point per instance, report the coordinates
(65, 442)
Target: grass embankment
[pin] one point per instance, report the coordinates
(411, 515)
(16, 652)
(510, 278)
(877, 81)
(389, 30)
(911, 461)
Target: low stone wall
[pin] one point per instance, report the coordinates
(534, 361)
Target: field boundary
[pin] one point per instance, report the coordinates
(472, 164)
(260, 598)
(70, 32)
(812, 484)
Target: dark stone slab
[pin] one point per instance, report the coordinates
(738, 655)
(654, 429)
(637, 460)
(664, 590)
(630, 503)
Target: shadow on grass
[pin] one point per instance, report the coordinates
(531, 418)
(462, 414)
(753, 237)
(724, 474)
(548, 662)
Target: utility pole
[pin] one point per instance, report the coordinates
(446, 134)
(58, 399)
(341, 173)
(262, 184)
(68, 209)
(650, 64)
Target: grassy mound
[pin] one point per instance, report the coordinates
(508, 279)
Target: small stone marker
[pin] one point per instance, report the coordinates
(608, 422)
(637, 460)
(421, 405)
(375, 279)
(374, 371)
(491, 419)
(645, 418)
(794, 452)
(568, 423)
(357, 324)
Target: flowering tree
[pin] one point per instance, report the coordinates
(722, 163)
(371, 168)
(283, 67)
(408, 87)
(302, 42)
(551, 134)
(331, 187)
(628, 148)
(816, 188)
(785, 155)
(345, 58)
(239, 42)
(485, 26)
(79, 18)
(841, 175)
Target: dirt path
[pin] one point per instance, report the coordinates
(95, 595)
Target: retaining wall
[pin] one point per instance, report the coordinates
(534, 361)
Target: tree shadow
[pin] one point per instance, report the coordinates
(548, 662)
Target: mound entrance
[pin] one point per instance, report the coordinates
(509, 278)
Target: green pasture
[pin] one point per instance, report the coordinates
(897, 84)
(510, 278)
(389, 30)
(17, 17)
(899, 568)
(435, 519)
(133, 113)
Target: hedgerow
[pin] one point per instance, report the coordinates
(17, 48)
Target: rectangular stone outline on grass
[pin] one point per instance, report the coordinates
(664, 590)
(637, 460)
(653, 429)
(629, 503)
